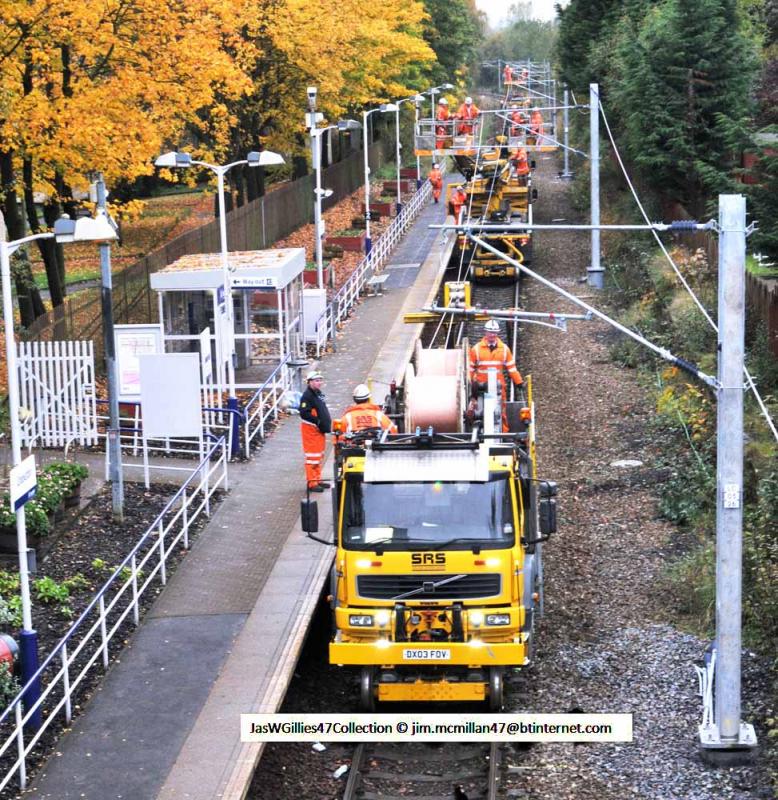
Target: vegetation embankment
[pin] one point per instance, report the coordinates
(688, 93)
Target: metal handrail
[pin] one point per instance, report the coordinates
(269, 386)
(199, 482)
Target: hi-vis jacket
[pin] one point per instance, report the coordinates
(361, 416)
(483, 357)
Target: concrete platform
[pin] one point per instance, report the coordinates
(224, 636)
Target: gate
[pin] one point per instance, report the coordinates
(56, 386)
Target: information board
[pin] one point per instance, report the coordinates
(131, 342)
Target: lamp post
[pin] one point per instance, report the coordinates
(417, 100)
(384, 107)
(434, 90)
(97, 229)
(264, 158)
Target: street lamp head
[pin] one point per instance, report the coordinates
(100, 228)
(418, 99)
(447, 86)
(323, 193)
(348, 125)
(388, 107)
(173, 159)
(264, 158)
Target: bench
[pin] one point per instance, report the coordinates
(375, 285)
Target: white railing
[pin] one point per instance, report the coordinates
(265, 403)
(341, 303)
(68, 664)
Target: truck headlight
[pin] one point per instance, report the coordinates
(476, 618)
(498, 619)
(382, 617)
(360, 620)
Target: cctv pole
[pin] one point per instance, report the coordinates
(114, 438)
(416, 104)
(595, 270)
(316, 156)
(566, 174)
(28, 637)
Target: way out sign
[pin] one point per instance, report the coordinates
(24, 482)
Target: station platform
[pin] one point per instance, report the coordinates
(224, 635)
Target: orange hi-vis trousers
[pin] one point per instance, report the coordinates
(313, 449)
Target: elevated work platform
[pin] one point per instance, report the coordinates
(224, 636)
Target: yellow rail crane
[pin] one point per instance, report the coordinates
(437, 576)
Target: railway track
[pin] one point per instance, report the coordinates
(402, 771)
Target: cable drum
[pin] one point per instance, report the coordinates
(434, 395)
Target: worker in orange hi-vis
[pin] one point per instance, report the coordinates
(467, 114)
(491, 352)
(519, 163)
(315, 422)
(507, 74)
(442, 123)
(518, 121)
(364, 414)
(436, 179)
(458, 201)
(536, 124)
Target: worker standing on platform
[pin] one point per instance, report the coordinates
(458, 201)
(518, 121)
(364, 414)
(507, 74)
(436, 179)
(536, 125)
(315, 422)
(468, 114)
(519, 163)
(442, 123)
(492, 352)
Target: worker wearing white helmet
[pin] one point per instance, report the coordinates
(364, 414)
(315, 422)
(467, 114)
(442, 123)
(436, 179)
(491, 352)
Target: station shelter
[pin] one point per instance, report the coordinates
(267, 292)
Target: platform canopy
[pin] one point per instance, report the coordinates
(250, 269)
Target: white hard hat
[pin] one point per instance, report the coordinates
(314, 375)
(492, 326)
(434, 166)
(443, 101)
(361, 392)
(469, 101)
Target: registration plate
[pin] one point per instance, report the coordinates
(426, 654)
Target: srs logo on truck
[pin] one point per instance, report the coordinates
(428, 562)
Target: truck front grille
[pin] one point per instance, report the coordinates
(427, 587)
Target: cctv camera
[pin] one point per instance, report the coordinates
(312, 91)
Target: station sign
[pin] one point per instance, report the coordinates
(263, 282)
(24, 482)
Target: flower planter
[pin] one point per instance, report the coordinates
(406, 187)
(311, 276)
(9, 542)
(384, 209)
(409, 173)
(73, 500)
(352, 243)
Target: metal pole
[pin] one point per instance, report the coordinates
(418, 159)
(114, 440)
(232, 400)
(729, 477)
(28, 637)
(398, 147)
(368, 241)
(316, 157)
(595, 276)
(566, 121)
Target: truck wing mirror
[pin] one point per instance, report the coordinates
(309, 516)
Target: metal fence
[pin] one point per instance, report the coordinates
(117, 602)
(253, 226)
(264, 404)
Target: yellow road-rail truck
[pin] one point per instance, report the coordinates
(436, 582)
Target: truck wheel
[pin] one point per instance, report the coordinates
(495, 689)
(367, 689)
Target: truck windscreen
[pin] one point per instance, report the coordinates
(414, 516)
